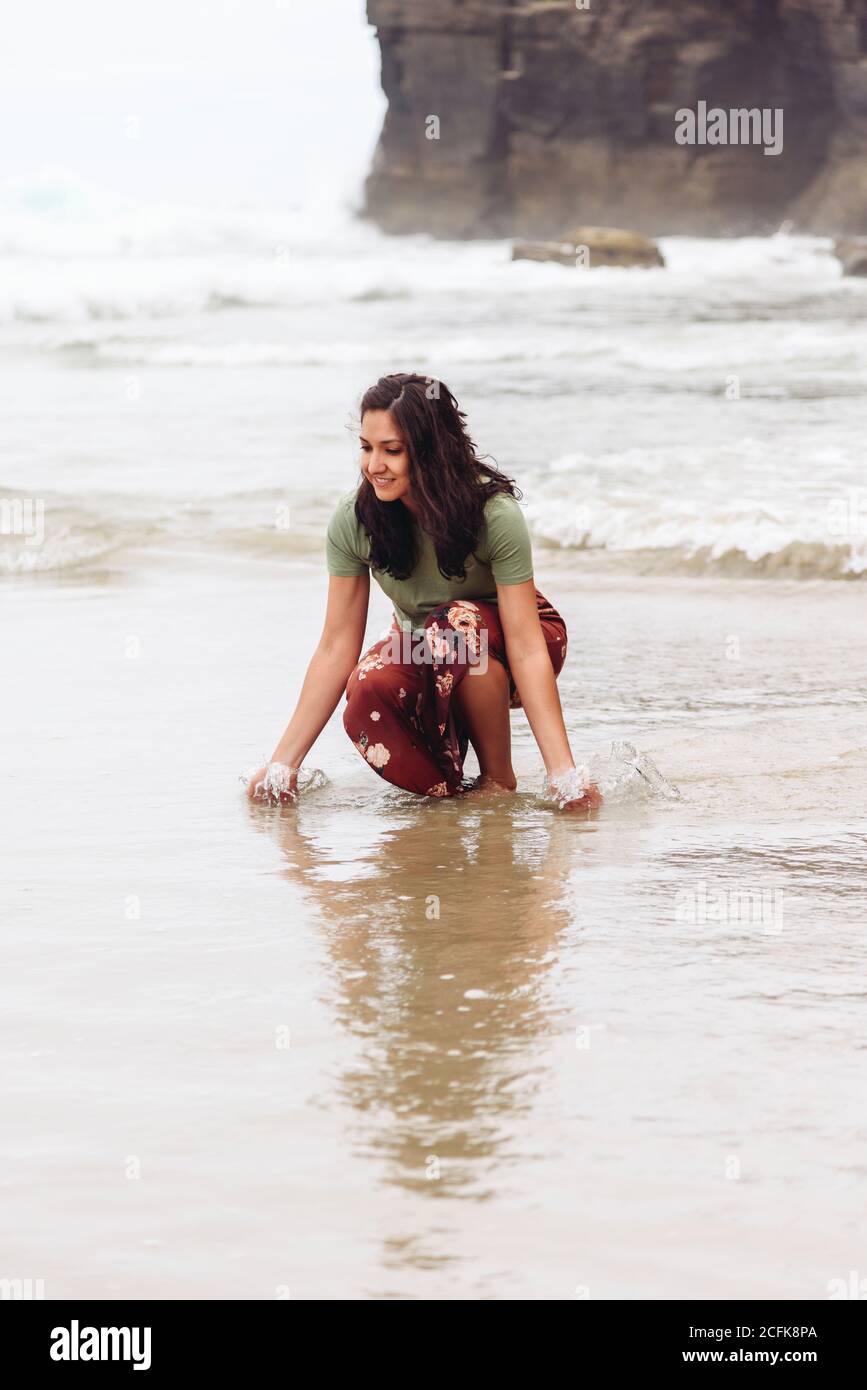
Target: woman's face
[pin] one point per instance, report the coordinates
(384, 459)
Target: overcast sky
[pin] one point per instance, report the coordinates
(197, 100)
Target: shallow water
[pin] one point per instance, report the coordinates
(377, 1047)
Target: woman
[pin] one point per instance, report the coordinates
(443, 535)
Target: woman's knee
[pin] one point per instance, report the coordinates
(460, 632)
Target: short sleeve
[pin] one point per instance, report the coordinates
(509, 550)
(342, 552)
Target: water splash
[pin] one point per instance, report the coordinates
(310, 779)
(626, 774)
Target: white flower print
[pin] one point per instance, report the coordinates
(378, 755)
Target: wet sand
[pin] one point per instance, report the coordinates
(246, 1058)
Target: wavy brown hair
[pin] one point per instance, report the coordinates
(450, 482)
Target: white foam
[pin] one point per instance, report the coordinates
(626, 501)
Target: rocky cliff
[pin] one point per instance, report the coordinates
(525, 117)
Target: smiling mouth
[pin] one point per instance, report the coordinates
(381, 482)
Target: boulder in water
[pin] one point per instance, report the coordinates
(560, 252)
(590, 247)
(852, 254)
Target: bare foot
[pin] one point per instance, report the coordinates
(485, 785)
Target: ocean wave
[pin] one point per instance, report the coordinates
(54, 213)
(687, 535)
(108, 294)
(56, 532)
(621, 534)
(107, 347)
(797, 560)
(65, 550)
(74, 252)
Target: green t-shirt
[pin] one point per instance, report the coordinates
(503, 556)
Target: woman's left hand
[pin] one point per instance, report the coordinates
(588, 804)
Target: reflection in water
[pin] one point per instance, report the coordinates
(442, 924)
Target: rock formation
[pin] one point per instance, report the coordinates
(525, 117)
(590, 247)
(852, 255)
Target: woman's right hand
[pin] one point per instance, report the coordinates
(275, 783)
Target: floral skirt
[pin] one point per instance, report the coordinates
(400, 709)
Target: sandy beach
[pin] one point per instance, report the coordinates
(244, 1061)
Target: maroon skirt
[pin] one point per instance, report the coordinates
(400, 711)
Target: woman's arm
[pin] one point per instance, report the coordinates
(533, 675)
(329, 670)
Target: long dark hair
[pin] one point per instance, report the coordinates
(450, 482)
